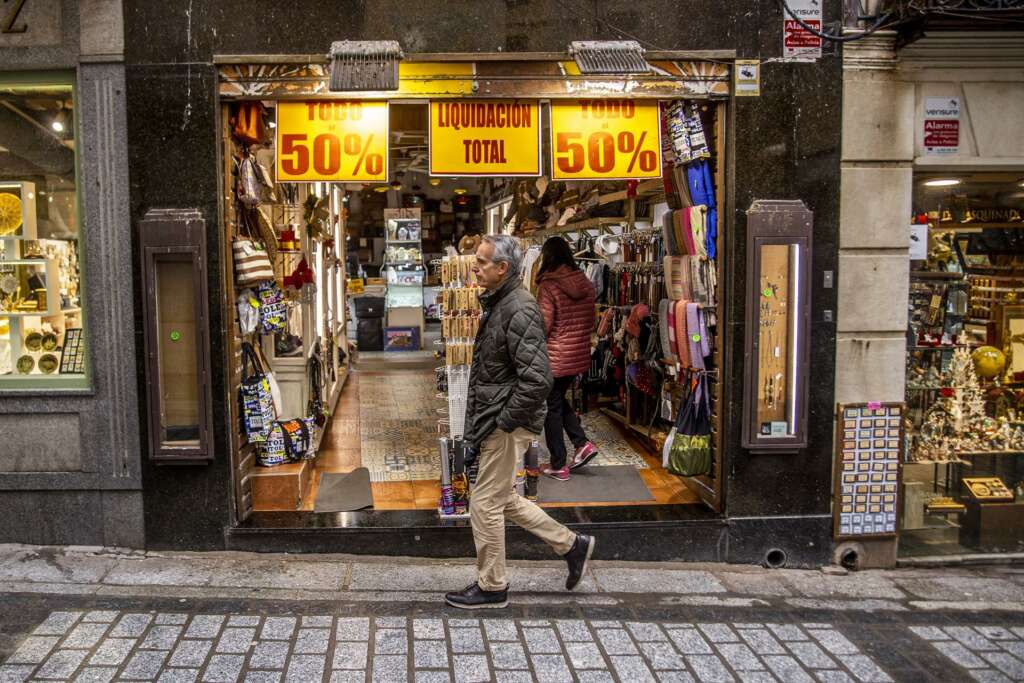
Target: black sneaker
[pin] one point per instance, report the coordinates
(577, 557)
(473, 597)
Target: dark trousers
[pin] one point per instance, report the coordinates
(561, 416)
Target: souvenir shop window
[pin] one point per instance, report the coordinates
(176, 335)
(962, 480)
(778, 326)
(42, 336)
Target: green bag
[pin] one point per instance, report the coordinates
(690, 453)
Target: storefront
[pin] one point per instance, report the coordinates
(933, 329)
(364, 315)
(69, 459)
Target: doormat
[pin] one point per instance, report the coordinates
(612, 484)
(344, 492)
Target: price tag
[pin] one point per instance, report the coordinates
(605, 139)
(332, 140)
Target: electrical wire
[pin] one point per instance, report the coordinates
(877, 26)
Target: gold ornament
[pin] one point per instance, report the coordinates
(10, 213)
(988, 361)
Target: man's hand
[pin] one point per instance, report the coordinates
(470, 454)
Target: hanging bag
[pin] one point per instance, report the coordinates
(273, 309)
(315, 405)
(257, 401)
(252, 262)
(288, 440)
(690, 453)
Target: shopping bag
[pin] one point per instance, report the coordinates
(288, 440)
(690, 453)
(273, 309)
(252, 262)
(257, 409)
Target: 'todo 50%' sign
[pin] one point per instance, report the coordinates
(332, 140)
(605, 139)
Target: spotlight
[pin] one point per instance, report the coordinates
(57, 125)
(437, 181)
(460, 190)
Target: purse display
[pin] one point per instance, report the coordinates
(690, 452)
(257, 409)
(288, 440)
(273, 309)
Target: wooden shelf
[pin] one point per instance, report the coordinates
(587, 224)
(935, 275)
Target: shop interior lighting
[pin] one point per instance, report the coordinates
(395, 185)
(381, 188)
(460, 190)
(942, 182)
(437, 181)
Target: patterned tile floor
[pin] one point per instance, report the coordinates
(109, 645)
(398, 429)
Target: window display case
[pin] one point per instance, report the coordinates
(963, 481)
(40, 279)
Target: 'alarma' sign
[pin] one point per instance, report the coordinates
(484, 138)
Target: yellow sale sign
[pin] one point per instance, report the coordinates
(332, 140)
(605, 139)
(484, 138)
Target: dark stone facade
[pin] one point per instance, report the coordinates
(781, 145)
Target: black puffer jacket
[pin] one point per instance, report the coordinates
(511, 376)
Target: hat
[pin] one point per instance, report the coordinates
(469, 243)
(638, 313)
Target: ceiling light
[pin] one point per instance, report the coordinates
(271, 124)
(381, 188)
(942, 182)
(395, 185)
(460, 190)
(57, 125)
(437, 181)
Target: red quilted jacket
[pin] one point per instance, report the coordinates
(566, 298)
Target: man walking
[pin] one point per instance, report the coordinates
(508, 388)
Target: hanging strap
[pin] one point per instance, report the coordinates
(249, 358)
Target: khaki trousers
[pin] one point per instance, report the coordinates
(494, 499)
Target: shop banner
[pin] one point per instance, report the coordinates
(332, 140)
(605, 139)
(485, 138)
(941, 125)
(799, 44)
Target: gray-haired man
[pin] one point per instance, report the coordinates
(508, 389)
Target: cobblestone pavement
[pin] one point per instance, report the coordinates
(179, 640)
(107, 645)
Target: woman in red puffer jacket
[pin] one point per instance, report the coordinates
(566, 298)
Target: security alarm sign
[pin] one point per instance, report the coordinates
(941, 125)
(485, 138)
(799, 44)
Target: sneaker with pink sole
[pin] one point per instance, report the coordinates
(584, 454)
(560, 475)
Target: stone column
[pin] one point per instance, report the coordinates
(875, 204)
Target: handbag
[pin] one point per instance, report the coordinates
(288, 440)
(690, 453)
(315, 405)
(257, 409)
(252, 262)
(273, 310)
(249, 125)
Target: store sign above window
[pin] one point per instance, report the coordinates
(605, 139)
(332, 140)
(485, 138)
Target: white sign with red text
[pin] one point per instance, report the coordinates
(799, 44)
(941, 125)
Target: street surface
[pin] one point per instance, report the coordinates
(91, 614)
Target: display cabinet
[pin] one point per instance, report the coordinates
(777, 341)
(403, 270)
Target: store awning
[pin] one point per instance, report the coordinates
(421, 76)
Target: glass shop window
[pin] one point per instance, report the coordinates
(42, 337)
(963, 479)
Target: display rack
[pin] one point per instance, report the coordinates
(403, 271)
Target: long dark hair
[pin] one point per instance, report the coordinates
(555, 253)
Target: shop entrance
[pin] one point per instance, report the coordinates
(366, 282)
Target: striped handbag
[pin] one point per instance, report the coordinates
(252, 263)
